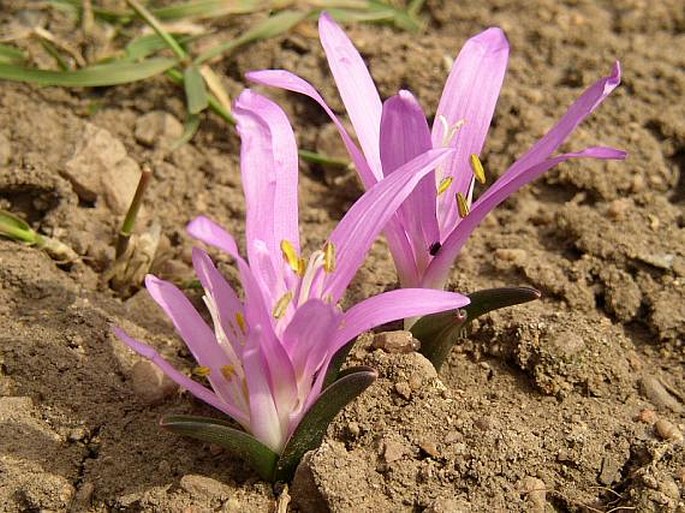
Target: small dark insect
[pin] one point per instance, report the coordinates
(434, 248)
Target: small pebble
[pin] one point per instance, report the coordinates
(393, 451)
(403, 390)
(150, 383)
(535, 491)
(395, 342)
(647, 416)
(429, 447)
(666, 430)
(511, 255)
(653, 390)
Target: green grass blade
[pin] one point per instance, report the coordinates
(143, 47)
(272, 26)
(196, 90)
(94, 76)
(17, 229)
(11, 55)
(154, 23)
(203, 9)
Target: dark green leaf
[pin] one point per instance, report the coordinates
(487, 300)
(312, 428)
(439, 332)
(219, 432)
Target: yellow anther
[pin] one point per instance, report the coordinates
(445, 184)
(477, 168)
(202, 371)
(290, 255)
(228, 372)
(240, 320)
(282, 305)
(463, 205)
(301, 267)
(329, 257)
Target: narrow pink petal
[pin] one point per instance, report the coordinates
(355, 233)
(404, 136)
(307, 337)
(290, 82)
(265, 424)
(356, 87)
(439, 269)
(268, 163)
(393, 305)
(591, 98)
(184, 381)
(194, 331)
(469, 96)
(224, 297)
(402, 253)
(207, 231)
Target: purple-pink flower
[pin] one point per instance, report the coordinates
(432, 226)
(267, 353)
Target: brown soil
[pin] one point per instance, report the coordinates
(572, 403)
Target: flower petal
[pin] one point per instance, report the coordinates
(290, 82)
(469, 97)
(355, 233)
(393, 305)
(268, 163)
(404, 136)
(207, 231)
(228, 306)
(184, 381)
(194, 331)
(307, 336)
(265, 423)
(356, 88)
(439, 268)
(591, 98)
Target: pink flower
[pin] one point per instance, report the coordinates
(267, 355)
(433, 225)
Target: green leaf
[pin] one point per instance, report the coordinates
(333, 371)
(196, 90)
(439, 332)
(312, 428)
(273, 26)
(11, 55)
(93, 76)
(142, 47)
(202, 9)
(221, 433)
(17, 229)
(487, 300)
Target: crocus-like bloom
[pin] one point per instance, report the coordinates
(267, 354)
(432, 226)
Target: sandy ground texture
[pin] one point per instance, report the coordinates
(575, 403)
